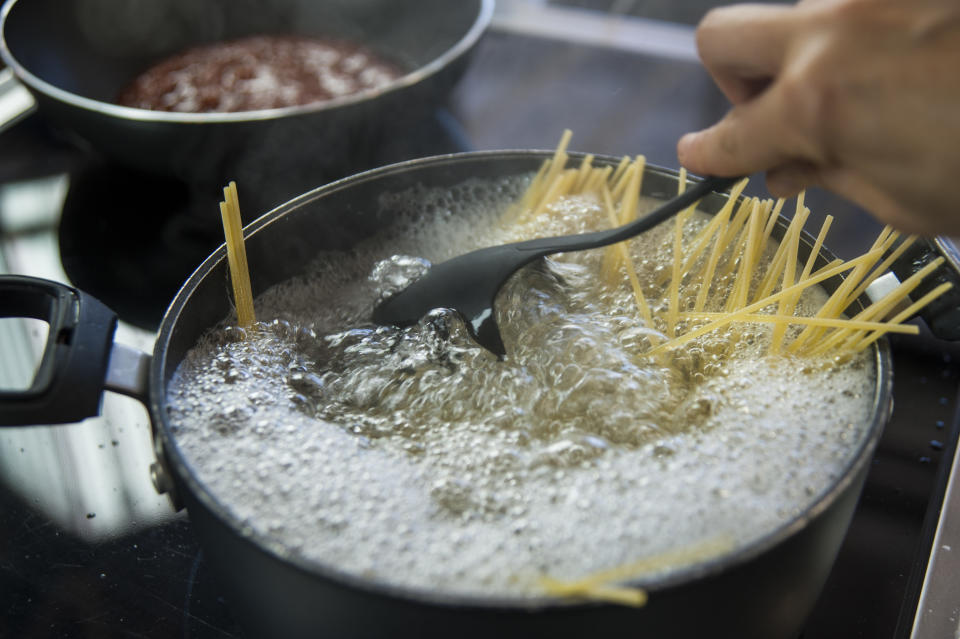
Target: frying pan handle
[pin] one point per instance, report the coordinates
(69, 381)
(942, 315)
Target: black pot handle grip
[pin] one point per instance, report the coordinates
(942, 316)
(68, 384)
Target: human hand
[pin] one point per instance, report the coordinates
(861, 97)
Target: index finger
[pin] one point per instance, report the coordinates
(754, 136)
(743, 46)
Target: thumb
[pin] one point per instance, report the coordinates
(753, 137)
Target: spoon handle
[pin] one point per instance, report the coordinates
(548, 245)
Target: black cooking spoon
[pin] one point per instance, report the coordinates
(469, 283)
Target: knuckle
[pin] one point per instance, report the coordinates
(852, 11)
(728, 140)
(811, 109)
(712, 22)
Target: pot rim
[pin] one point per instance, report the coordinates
(882, 406)
(132, 114)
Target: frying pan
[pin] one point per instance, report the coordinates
(764, 589)
(74, 56)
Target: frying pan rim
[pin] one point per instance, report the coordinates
(882, 406)
(132, 114)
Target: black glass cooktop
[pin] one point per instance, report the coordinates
(147, 578)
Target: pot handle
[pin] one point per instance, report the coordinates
(70, 379)
(942, 316)
(16, 102)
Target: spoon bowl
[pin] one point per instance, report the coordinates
(469, 283)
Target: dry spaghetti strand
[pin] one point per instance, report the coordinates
(237, 256)
(756, 306)
(602, 585)
(642, 305)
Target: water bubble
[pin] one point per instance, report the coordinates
(395, 273)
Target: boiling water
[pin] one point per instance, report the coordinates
(415, 457)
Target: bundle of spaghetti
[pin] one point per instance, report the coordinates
(237, 256)
(777, 266)
(638, 295)
(882, 267)
(745, 255)
(831, 332)
(750, 250)
(618, 191)
(730, 247)
(719, 247)
(789, 302)
(736, 236)
(702, 239)
(673, 297)
(740, 314)
(890, 326)
(542, 184)
(788, 309)
(840, 299)
(626, 189)
(903, 315)
(827, 329)
(846, 338)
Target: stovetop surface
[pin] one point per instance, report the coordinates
(87, 549)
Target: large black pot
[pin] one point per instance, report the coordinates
(764, 590)
(75, 56)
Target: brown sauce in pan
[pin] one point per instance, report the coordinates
(258, 72)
